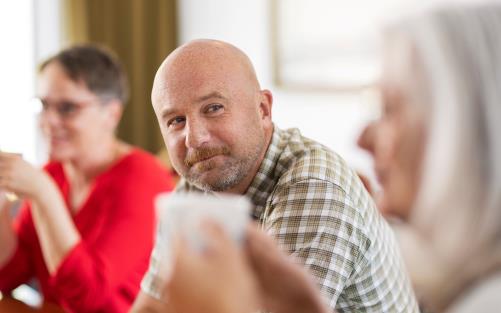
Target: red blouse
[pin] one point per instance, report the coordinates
(116, 223)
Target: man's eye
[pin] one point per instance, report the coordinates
(175, 121)
(213, 108)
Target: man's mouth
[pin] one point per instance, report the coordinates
(205, 154)
(204, 159)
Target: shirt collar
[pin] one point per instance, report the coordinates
(267, 176)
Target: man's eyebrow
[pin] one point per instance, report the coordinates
(211, 95)
(166, 113)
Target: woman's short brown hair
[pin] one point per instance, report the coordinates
(97, 67)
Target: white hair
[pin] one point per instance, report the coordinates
(458, 207)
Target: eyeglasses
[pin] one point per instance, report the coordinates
(66, 109)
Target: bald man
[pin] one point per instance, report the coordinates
(216, 123)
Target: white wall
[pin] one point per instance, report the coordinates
(48, 31)
(47, 42)
(30, 31)
(332, 119)
(17, 117)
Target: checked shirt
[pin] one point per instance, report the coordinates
(319, 212)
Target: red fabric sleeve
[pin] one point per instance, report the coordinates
(88, 278)
(16, 272)
(19, 269)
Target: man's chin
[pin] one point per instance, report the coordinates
(212, 180)
(204, 180)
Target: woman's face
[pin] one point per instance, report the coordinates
(396, 143)
(73, 118)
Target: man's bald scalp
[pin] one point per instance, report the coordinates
(203, 52)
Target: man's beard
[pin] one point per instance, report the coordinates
(229, 175)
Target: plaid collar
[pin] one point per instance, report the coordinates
(268, 174)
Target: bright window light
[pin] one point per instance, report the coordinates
(335, 44)
(18, 126)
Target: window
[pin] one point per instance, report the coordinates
(335, 44)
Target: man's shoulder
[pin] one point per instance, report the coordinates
(315, 182)
(305, 159)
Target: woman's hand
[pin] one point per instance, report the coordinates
(8, 239)
(286, 287)
(3, 200)
(215, 280)
(223, 278)
(20, 177)
(6, 202)
(56, 231)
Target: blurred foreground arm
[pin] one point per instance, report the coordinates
(285, 286)
(224, 279)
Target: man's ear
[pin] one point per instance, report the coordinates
(265, 105)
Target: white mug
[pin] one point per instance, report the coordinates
(182, 213)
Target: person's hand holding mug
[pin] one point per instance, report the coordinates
(231, 278)
(286, 287)
(3, 201)
(224, 280)
(8, 240)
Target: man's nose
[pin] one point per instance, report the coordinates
(197, 134)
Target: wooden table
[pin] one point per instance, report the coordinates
(10, 305)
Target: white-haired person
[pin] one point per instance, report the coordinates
(437, 155)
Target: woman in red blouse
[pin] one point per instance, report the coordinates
(86, 228)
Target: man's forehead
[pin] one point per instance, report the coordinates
(202, 77)
(193, 93)
(172, 104)
(212, 95)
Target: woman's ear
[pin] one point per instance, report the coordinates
(115, 111)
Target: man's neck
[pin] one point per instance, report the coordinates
(242, 187)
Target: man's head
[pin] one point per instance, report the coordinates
(215, 120)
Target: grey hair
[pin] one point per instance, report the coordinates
(458, 207)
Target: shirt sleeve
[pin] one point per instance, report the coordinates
(344, 242)
(88, 278)
(313, 220)
(19, 269)
(153, 281)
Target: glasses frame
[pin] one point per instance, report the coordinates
(67, 109)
